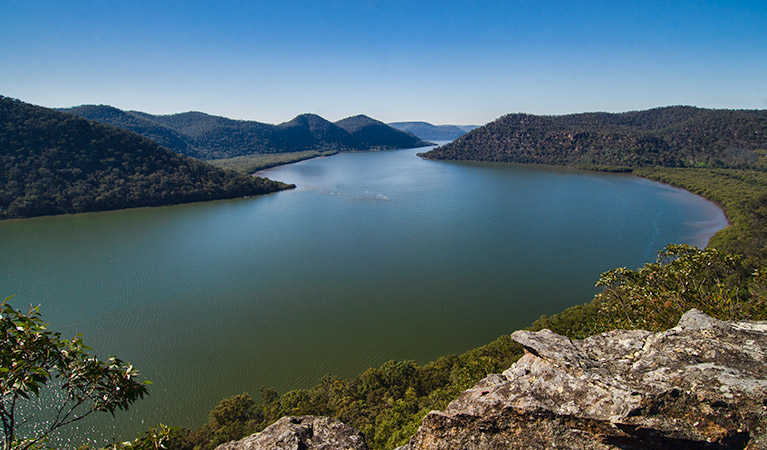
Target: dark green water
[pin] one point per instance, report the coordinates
(376, 256)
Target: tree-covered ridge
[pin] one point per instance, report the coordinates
(57, 163)
(676, 136)
(207, 137)
(163, 135)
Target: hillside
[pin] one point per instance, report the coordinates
(163, 135)
(677, 136)
(370, 133)
(311, 130)
(207, 137)
(429, 132)
(57, 163)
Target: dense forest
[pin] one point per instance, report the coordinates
(57, 163)
(677, 136)
(206, 137)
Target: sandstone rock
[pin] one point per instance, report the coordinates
(302, 433)
(700, 385)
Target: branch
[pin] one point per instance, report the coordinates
(59, 422)
(7, 430)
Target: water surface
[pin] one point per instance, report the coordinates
(375, 256)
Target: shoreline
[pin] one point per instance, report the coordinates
(631, 172)
(727, 222)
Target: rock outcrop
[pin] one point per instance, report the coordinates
(700, 385)
(302, 433)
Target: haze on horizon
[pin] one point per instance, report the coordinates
(442, 62)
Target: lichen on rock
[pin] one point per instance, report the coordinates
(701, 384)
(302, 433)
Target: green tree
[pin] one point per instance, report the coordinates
(32, 357)
(656, 295)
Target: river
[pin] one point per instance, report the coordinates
(375, 256)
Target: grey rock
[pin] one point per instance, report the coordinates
(701, 384)
(302, 433)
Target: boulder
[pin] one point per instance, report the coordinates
(699, 385)
(302, 433)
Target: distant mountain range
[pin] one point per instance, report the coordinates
(205, 137)
(427, 131)
(674, 136)
(57, 163)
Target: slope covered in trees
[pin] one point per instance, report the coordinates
(57, 163)
(373, 134)
(429, 132)
(206, 137)
(152, 129)
(677, 136)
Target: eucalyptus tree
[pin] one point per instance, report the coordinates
(33, 359)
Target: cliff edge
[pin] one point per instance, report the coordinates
(701, 384)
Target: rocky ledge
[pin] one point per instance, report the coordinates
(700, 385)
(302, 433)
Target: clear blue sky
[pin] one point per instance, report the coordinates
(444, 61)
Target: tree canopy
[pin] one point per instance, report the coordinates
(33, 358)
(676, 136)
(57, 163)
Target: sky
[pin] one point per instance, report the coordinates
(444, 62)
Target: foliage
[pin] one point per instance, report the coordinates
(656, 295)
(211, 137)
(56, 163)
(161, 437)
(253, 163)
(32, 356)
(678, 136)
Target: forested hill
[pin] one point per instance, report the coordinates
(676, 136)
(137, 123)
(373, 134)
(56, 163)
(205, 136)
(427, 131)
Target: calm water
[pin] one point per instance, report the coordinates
(376, 256)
